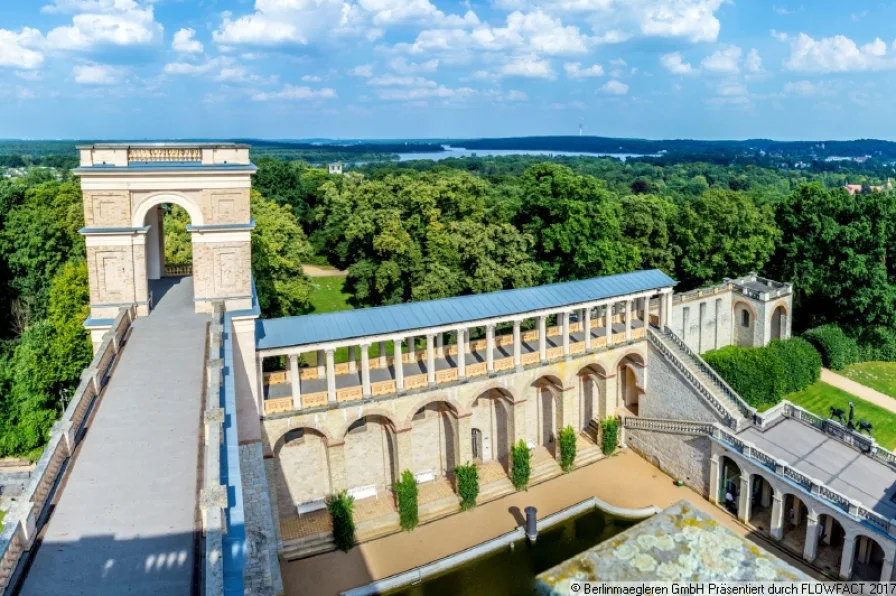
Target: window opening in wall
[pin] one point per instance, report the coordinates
(745, 318)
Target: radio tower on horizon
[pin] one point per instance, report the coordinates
(581, 128)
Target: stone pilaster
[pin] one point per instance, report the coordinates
(336, 463)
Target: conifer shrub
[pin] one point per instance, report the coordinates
(609, 435)
(522, 465)
(467, 477)
(407, 492)
(567, 448)
(341, 507)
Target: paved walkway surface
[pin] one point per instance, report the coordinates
(124, 522)
(867, 393)
(624, 480)
(315, 271)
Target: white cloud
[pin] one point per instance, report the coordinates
(97, 74)
(278, 22)
(806, 88)
(837, 54)
(362, 70)
(401, 65)
(528, 66)
(674, 63)
(188, 68)
(392, 12)
(723, 61)
(15, 49)
(514, 95)
(615, 87)
(574, 70)
(421, 93)
(390, 80)
(732, 89)
(753, 61)
(185, 42)
(311, 79)
(108, 22)
(298, 93)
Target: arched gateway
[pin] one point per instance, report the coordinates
(125, 185)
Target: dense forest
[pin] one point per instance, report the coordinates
(423, 229)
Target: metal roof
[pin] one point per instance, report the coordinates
(165, 166)
(382, 320)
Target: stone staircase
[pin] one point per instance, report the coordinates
(593, 430)
(308, 546)
(731, 407)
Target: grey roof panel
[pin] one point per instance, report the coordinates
(336, 326)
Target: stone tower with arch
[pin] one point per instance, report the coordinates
(124, 188)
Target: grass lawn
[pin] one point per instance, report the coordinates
(819, 397)
(877, 375)
(328, 295)
(2, 513)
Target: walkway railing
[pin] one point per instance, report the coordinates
(29, 512)
(445, 376)
(767, 462)
(178, 270)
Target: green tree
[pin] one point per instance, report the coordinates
(646, 223)
(576, 225)
(279, 247)
(71, 350)
(178, 243)
(723, 234)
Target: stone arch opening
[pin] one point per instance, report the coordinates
(779, 322)
(868, 560)
(629, 392)
(795, 522)
(168, 250)
(592, 405)
(303, 468)
(744, 323)
(371, 454)
(761, 501)
(434, 439)
(831, 540)
(492, 416)
(549, 412)
(729, 484)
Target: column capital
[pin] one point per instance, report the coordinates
(491, 326)
(330, 351)
(365, 345)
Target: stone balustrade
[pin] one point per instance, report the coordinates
(20, 525)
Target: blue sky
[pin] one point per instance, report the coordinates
(432, 68)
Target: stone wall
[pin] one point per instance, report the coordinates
(703, 321)
(671, 397)
(683, 456)
(303, 466)
(261, 576)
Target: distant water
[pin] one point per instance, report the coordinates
(461, 152)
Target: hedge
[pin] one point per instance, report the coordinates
(406, 492)
(762, 376)
(609, 435)
(837, 349)
(341, 507)
(567, 448)
(522, 465)
(467, 485)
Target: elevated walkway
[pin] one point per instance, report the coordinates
(125, 520)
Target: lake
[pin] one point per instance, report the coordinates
(461, 152)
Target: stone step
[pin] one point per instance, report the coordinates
(303, 548)
(495, 490)
(441, 508)
(588, 456)
(377, 528)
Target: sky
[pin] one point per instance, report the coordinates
(355, 69)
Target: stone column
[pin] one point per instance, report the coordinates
(517, 348)
(849, 553)
(490, 347)
(383, 361)
(810, 550)
(766, 494)
(430, 359)
(518, 411)
(628, 320)
(565, 332)
(365, 369)
(777, 521)
(828, 528)
(331, 376)
(321, 369)
(398, 366)
(461, 353)
(714, 472)
(886, 572)
(352, 363)
(440, 345)
(542, 338)
(587, 328)
(296, 385)
(412, 356)
(743, 500)
(336, 463)
(662, 313)
(465, 439)
(608, 322)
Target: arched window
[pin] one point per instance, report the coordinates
(745, 318)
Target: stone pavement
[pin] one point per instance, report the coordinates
(867, 393)
(624, 480)
(124, 523)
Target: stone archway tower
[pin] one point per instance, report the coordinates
(125, 183)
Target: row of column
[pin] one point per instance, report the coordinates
(775, 498)
(435, 347)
